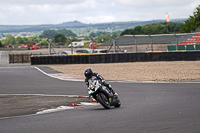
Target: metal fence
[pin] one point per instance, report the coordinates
(142, 43)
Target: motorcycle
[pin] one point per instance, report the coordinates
(103, 95)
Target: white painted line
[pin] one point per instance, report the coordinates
(61, 108)
(57, 77)
(86, 103)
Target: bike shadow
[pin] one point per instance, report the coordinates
(105, 109)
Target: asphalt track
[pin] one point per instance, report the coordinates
(146, 107)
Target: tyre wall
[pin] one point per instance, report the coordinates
(116, 58)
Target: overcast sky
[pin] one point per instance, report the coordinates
(20, 12)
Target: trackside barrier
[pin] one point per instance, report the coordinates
(116, 58)
(184, 47)
(197, 47)
(22, 57)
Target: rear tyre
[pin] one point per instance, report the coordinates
(102, 99)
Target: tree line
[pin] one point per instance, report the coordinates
(52, 33)
(190, 25)
(101, 37)
(55, 36)
(155, 28)
(193, 22)
(11, 40)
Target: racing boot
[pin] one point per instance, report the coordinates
(114, 93)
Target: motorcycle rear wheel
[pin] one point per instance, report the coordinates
(102, 99)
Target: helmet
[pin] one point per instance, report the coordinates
(88, 72)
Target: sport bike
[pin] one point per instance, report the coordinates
(103, 95)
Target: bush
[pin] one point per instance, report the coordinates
(43, 43)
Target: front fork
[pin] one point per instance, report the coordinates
(108, 94)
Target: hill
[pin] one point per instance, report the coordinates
(80, 28)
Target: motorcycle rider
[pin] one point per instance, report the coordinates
(90, 75)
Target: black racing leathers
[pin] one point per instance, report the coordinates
(96, 75)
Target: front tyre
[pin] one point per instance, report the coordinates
(102, 99)
(118, 103)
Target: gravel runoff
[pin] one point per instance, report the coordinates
(163, 71)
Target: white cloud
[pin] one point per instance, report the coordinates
(41, 2)
(91, 11)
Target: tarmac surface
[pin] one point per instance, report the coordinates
(15, 105)
(25, 104)
(146, 106)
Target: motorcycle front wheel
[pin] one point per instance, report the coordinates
(118, 103)
(102, 99)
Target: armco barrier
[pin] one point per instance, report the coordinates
(190, 47)
(195, 47)
(181, 47)
(116, 58)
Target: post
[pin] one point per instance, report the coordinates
(13, 58)
(92, 44)
(114, 44)
(22, 58)
(151, 42)
(49, 46)
(176, 41)
(71, 46)
(167, 27)
(135, 43)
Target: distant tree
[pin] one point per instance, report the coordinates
(32, 39)
(9, 39)
(75, 40)
(25, 40)
(43, 42)
(138, 30)
(92, 34)
(127, 32)
(192, 23)
(67, 33)
(19, 40)
(154, 28)
(60, 39)
(50, 33)
(43, 36)
(39, 40)
(1, 44)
